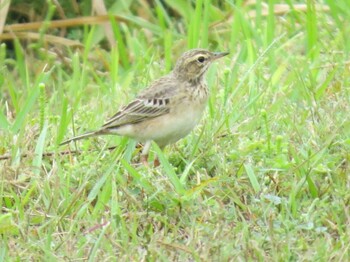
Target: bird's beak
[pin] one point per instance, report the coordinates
(217, 55)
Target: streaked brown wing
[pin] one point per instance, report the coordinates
(137, 111)
(151, 102)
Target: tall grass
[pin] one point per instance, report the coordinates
(263, 177)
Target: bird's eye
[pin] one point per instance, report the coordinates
(201, 59)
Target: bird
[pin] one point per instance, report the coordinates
(168, 109)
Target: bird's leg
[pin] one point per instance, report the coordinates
(144, 160)
(144, 153)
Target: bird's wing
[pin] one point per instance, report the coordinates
(152, 102)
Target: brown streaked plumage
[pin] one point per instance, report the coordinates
(168, 109)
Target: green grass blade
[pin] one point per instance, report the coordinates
(21, 63)
(169, 171)
(252, 178)
(93, 253)
(39, 150)
(64, 121)
(195, 26)
(311, 26)
(122, 50)
(139, 179)
(4, 124)
(27, 107)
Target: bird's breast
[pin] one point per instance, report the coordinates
(186, 110)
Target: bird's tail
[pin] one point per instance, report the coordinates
(86, 135)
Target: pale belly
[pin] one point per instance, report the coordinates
(165, 129)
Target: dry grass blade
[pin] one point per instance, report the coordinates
(282, 9)
(86, 20)
(36, 36)
(4, 7)
(99, 8)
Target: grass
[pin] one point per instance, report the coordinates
(264, 177)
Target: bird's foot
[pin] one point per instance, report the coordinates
(144, 161)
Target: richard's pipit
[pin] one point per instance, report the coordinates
(168, 109)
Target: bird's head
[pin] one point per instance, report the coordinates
(192, 65)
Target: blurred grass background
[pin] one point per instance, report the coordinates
(264, 177)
